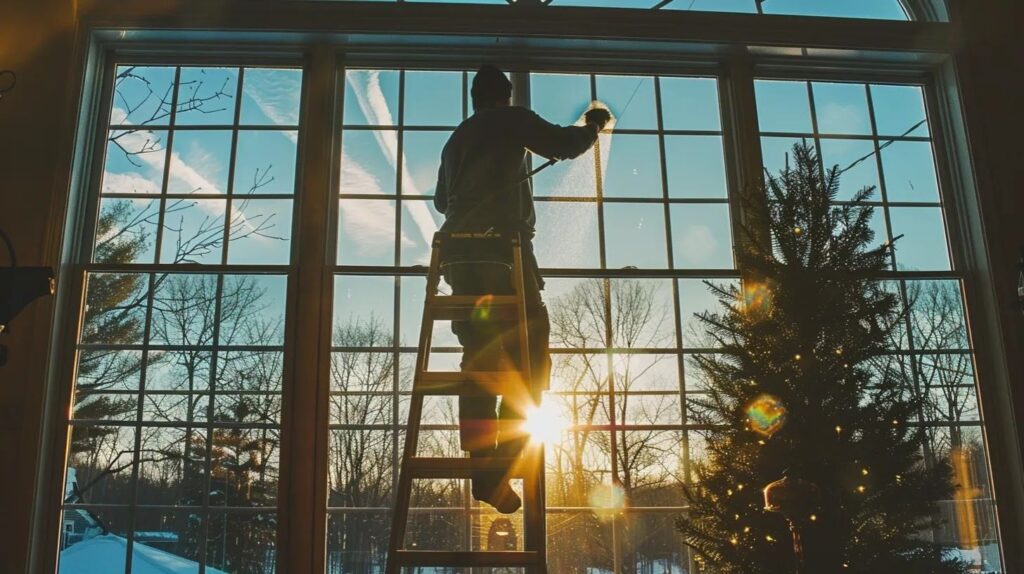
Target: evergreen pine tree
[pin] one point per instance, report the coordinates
(800, 389)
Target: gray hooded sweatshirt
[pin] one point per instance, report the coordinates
(484, 159)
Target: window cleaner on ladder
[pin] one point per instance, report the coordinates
(484, 153)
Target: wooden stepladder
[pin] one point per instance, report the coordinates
(529, 466)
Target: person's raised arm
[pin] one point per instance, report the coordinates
(559, 142)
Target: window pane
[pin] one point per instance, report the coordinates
(696, 166)
(368, 162)
(261, 232)
(777, 153)
(857, 163)
(419, 223)
(644, 372)
(363, 310)
(696, 297)
(630, 225)
(265, 162)
(135, 161)
(560, 98)
(433, 98)
(630, 99)
(910, 172)
(574, 178)
(634, 167)
(371, 97)
(126, 231)
(271, 96)
(366, 232)
(143, 95)
(841, 108)
(642, 313)
(422, 153)
(200, 160)
(577, 309)
(566, 234)
(923, 245)
(898, 109)
(701, 237)
(690, 104)
(783, 106)
(206, 96)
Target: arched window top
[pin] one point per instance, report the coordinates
(866, 9)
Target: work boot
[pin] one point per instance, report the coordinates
(498, 493)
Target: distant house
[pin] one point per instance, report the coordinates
(88, 547)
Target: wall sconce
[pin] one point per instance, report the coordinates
(19, 286)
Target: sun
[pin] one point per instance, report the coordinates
(544, 423)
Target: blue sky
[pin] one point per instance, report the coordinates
(636, 234)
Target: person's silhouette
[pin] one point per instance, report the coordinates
(477, 191)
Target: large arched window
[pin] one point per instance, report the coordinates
(253, 283)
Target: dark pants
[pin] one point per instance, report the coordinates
(493, 345)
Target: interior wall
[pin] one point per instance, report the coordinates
(37, 40)
(990, 69)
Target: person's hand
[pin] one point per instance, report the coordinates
(599, 117)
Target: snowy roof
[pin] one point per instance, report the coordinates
(106, 554)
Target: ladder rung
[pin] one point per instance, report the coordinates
(472, 300)
(434, 467)
(454, 377)
(466, 559)
(462, 307)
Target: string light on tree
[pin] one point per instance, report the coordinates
(811, 354)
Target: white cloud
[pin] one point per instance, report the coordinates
(128, 183)
(181, 172)
(698, 245)
(277, 95)
(374, 105)
(367, 224)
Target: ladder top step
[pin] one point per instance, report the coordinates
(434, 467)
(437, 377)
(459, 388)
(467, 559)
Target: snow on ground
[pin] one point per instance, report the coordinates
(106, 554)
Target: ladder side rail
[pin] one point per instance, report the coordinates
(403, 494)
(533, 456)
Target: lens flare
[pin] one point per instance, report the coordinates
(544, 423)
(766, 415)
(607, 500)
(482, 310)
(756, 296)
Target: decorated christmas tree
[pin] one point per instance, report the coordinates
(801, 391)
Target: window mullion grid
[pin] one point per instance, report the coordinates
(151, 288)
(397, 296)
(613, 428)
(232, 165)
(210, 416)
(167, 166)
(908, 317)
(137, 447)
(684, 445)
